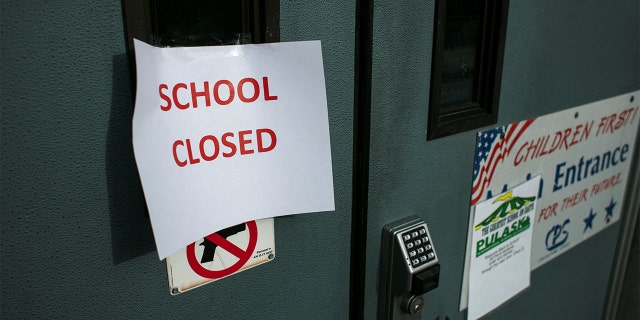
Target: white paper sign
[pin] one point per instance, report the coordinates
(501, 252)
(583, 155)
(228, 134)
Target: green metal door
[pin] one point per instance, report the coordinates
(76, 240)
(557, 56)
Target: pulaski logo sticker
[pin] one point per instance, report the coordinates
(500, 246)
(508, 220)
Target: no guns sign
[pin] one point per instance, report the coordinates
(221, 254)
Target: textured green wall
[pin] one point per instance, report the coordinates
(557, 55)
(75, 240)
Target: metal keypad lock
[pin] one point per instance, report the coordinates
(418, 246)
(409, 267)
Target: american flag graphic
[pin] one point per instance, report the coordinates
(492, 147)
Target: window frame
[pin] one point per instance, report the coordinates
(483, 109)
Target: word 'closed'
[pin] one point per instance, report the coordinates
(230, 144)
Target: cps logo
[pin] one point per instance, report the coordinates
(557, 236)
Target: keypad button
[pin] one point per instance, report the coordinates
(428, 247)
(423, 231)
(412, 253)
(431, 255)
(414, 234)
(415, 261)
(406, 237)
(425, 239)
(423, 259)
(420, 250)
(418, 242)
(409, 245)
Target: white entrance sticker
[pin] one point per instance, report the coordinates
(228, 134)
(583, 156)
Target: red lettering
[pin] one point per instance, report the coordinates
(175, 96)
(164, 97)
(191, 159)
(216, 92)
(265, 84)
(567, 133)
(209, 146)
(556, 144)
(542, 150)
(606, 123)
(611, 120)
(223, 91)
(547, 212)
(175, 154)
(272, 135)
(621, 120)
(574, 199)
(519, 158)
(575, 135)
(256, 90)
(228, 144)
(242, 142)
(216, 148)
(204, 93)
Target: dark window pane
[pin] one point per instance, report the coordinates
(466, 65)
(460, 56)
(198, 22)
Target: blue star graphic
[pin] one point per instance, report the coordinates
(588, 221)
(609, 210)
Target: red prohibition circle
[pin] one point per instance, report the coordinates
(242, 255)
